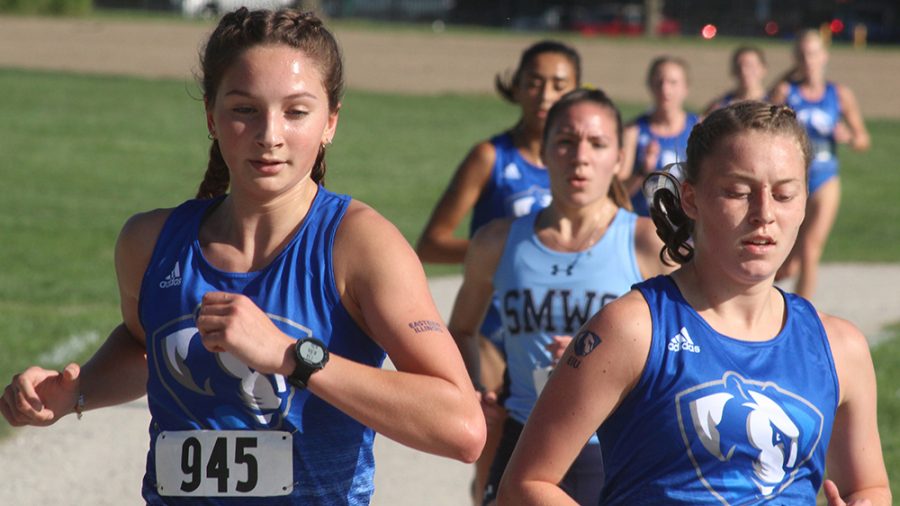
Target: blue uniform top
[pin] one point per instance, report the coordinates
(544, 293)
(671, 150)
(820, 118)
(516, 186)
(716, 420)
(190, 388)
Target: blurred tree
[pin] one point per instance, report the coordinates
(653, 15)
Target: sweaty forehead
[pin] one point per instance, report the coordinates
(756, 155)
(273, 68)
(588, 118)
(549, 65)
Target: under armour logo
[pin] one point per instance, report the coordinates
(557, 269)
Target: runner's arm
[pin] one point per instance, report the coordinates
(855, 462)
(582, 392)
(428, 403)
(859, 135)
(438, 243)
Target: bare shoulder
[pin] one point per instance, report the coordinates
(843, 90)
(484, 152)
(628, 316)
(847, 98)
(134, 249)
(364, 230)
(142, 229)
(491, 237)
(622, 332)
(478, 163)
(135, 244)
(626, 323)
(369, 248)
(852, 358)
(846, 340)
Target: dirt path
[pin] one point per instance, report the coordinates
(417, 62)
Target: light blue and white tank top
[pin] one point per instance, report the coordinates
(716, 420)
(191, 389)
(671, 149)
(544, 293)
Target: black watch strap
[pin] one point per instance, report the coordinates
(310, 355)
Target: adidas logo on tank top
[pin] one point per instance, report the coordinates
(683, 341)
(173, 279)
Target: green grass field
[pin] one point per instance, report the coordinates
(82, 153)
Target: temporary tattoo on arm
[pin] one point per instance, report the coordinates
(583, 344)
(420, 326)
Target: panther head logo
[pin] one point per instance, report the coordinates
(201, 375)
(747, 438)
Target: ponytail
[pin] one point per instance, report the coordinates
(318, 170)
(662, 190)
(216, 179)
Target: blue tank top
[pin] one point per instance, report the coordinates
(715, 420)
(820, 118)
(516, 187)
(190, 388)
(543, 293)
(671, 150)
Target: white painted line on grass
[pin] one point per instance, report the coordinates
(67, 350)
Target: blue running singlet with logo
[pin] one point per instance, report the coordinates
(516, 187)
(820, 117)
(671, 149)
(192, 389)
(543, 293)
(718, 421)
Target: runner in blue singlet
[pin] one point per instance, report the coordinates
(256, 317)
(830, 113)
(711, 386)
(748, 68)
(658, 138)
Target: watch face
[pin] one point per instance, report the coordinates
(311, 352)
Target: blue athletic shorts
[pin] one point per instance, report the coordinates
(820, 173)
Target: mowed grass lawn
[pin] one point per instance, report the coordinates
(83, 153)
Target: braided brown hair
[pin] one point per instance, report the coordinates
(673, 226)
(242, 29)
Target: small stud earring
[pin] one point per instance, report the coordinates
(211, 136)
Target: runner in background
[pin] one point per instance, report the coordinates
(503, 176)
(748, 68)
(257, 316)
(831, 115)
(553, 268)
(712, 386)
(658, 138)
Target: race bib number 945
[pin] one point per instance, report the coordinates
(234, 463)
